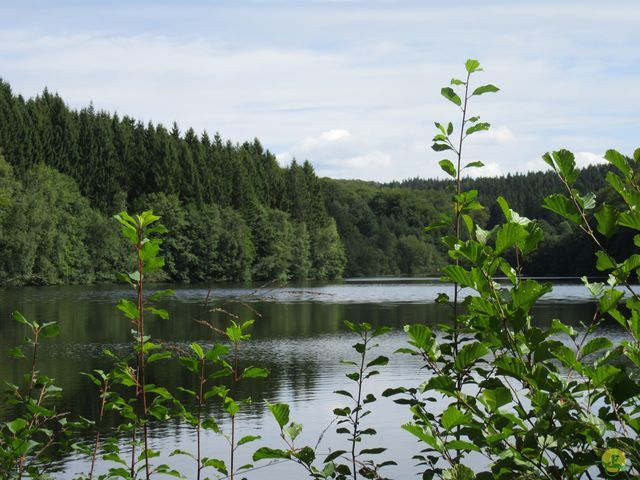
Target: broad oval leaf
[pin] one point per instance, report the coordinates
(485, 89)
(449, 94)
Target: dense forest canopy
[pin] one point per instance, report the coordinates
(232, 211)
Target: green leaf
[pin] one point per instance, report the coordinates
(265, 453)
(568, 357)
(476, 164)
(215, 353)
(485, 89)
(526, 293)
(452, 417)
(372, 451)
(607, 218)
(188, 362)
(496, 397)
(381, 360)
(472, 65)
(563, 206)
(630, 219)
(51, 329)
(587, 201)
(255, 372)
(448, 167)
(449, 94)
(333, 455)
(248, 438)
(197, 349)
(424, 436)
(619, 161)
(440, 147)
(149, 250)
(604, 261)
(293, 430)
(219, 465)
(469, 354)
(128, 308)
(231, 406)
(596, 344)
(504, 206)
(459, 275)
(16, 353)
(306, 455)
(478, 127)
(17, 425)
(161, 312)
(422, 337)
(609, 300)
(210, 424)
(455, 81)
(462, 445)
(343, 392)
(602, 374)
(160, 294)
(18, 317)
(558, 326)
(434, 225)
(280, 412)
(625, 388)
(153, 264)
(158, 356)
(563, 162)
(508, 235)
(459, 472)
(380, 331)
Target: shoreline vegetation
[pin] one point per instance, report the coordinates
(234, 214)
(534, 401)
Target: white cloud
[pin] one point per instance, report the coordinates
(339, 153)
(584, 159)
(492, 169)
(375, 159)
(325, 138)
(493, 136)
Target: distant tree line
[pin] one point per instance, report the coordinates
(233, 212)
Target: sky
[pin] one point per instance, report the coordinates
(351, 86)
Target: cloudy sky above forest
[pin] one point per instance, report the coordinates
(352, 86)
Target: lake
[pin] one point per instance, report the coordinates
(298, 335)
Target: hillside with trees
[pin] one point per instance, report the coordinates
(233, 212)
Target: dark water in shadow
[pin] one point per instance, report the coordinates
(298, 335)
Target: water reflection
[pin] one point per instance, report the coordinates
(298, 335)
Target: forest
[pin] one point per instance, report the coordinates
(233, 213)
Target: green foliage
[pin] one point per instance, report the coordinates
(535, 401)
(37, 432)
(218, 199)
(352, 462)
(48, 231)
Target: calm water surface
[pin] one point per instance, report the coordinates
(298, 335)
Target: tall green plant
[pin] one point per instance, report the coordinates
(228, 361)
(456, 347)
(206, 365)
(143, 233)
(504, 394)
(351, 462)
